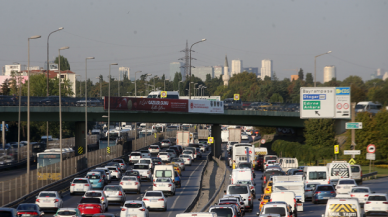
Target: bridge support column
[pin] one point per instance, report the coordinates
(80, 148)
(216, 134)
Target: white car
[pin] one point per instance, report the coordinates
(123, 165)
(164, 185)
(172, 153)
(361, 193)
(187, 159)
(134, 208)
(144, 170)
(100, 195)
(80, 185)
(188, 152)
(115, 194)
(154, 149)
(166, 143)
(68, 212)
(250, 183)
(145, 154)
(180, 162)
(107, 172)
(130, 183)
(115, 172)
(344, 186)
(376, 204)
(147, 161)
(134, 157)
(49, 200)
(164, 156)
(155, 200)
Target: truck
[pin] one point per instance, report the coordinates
(292, 183)
(239, 153)
(203, 134)
(261, 151)
(338, 170)
(183, 138)
(225, 136)
(234, 135)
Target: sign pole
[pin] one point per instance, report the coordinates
(335, 156)
(370, 162)
(353, 130)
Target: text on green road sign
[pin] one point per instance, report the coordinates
(311, 105)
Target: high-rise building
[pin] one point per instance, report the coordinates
(226, 77)
(176, 67)
(294, 77)
(385, 76)
(254, 70)
(329, 73)
(202, 71)
(218, 71)
(237, 66)
(379, 72)
(125, 72)
(266, 68)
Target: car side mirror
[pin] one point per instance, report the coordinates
(257, 213)
(225, 191)
(42, 213)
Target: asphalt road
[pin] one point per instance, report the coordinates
(175, 204)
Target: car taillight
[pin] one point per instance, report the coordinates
(136, 183)
(169, 185)
(155, 185)
(122, 164)
(72, 184)
(182, 164)
(121, 183)
(366, 195)
(145, 199)
(100, 180)
(37, 200)
(385, 202)
(141, 156)
(307, 190)
(116, 171)
(262, 203)
(138, 177)
(31, 213)
(318, 192)
(267, 189)
(56, 200)
(142, 209)
(188, 159)
(102, 199)
(123, 209)
(252, 187)
(98, 206)
(367, 202)
(249, 198)
(265, 180)
(86, 184)
(120, 193)
(270, 200)
(266, 165)
(294, 201)
(352, 195)
(161, 199)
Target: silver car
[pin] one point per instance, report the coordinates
(144, 170)
(123, 165)
(98, 194)
(115, 194)
(130, 183)
(49, 200)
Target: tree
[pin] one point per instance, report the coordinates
(319, 132)
(5, 87)
(64, 63)
(301, 74)
(276, 98)
(309, 79)
(357, 93)
(208, 77)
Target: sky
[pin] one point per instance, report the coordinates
(148, 35)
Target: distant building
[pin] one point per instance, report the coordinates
(177, 67)
(9, 68)
(385, 76)
(329, 72)
(379, 72)
(254, 70)
(124, 71)
(226, 77)
(294, 77)
(202, 71)
(266, 68)
(218, 71)
(237, 66)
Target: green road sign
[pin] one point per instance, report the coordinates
(311, 105)
(80, 150)
(353, 125)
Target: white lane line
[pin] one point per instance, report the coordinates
(176, 199)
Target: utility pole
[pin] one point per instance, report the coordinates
(186, 58)
(353, 143)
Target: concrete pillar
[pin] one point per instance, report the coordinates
(216, 134)
(79, 137)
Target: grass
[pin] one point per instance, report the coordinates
(380, 171)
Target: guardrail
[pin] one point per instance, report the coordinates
(368, 175)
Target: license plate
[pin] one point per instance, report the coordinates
(128, 183)
(46, 201)
(154, 200)
(326, 198)
(25, 214)
(375, 208)
(162, 185)
(89, 207)
(80, 189)
(347, 187)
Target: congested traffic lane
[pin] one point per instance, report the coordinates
(175, 204)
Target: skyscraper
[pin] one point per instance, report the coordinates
(174, 68)
(202, 71)
(124, 71)
(254, 70)
(237, 66)
(266, 68)
(218, 71)
(329, 73)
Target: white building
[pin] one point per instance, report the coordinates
(9, 68)
(218, 71)
(71, 76)
(237, 66)
(329, 73)
(385, 76)
(125, 71)
(226, 77)
(266, 68)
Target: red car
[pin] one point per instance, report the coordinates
(260, 162)
(90, 206)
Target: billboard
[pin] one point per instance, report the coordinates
(53, 67)
(206, 106)
(146, 104)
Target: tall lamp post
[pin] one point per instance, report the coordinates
(20, 104)
(165, 84)
(194, 89)
(315, 67)
(28, 114)
(190, 64)
(60, 108)
(203, 90)
(86, 106)
(154, 81)
(112, 64)
(100, 81)
(135, 83)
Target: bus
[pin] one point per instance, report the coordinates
(170, 94)
(103, 142)
(46, 159)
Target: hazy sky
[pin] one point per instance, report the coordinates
(148, 35)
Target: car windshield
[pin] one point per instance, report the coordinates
(27, 207)
(317, 175)
(153, 194)
(80, 181)
(222, 212)
(360, 190)
(141, 167)
(44, 194)
(112, 188)
(270, 158)
(377, 198)
(177, 160)
(93, 194)
(311, 185)
(238, 190)
(163, 180)
(187, 152)
(131, 173)
(244, 166)
(93, 176)
(112, 168)
(275, 210)
(163, 153)
(154, 146)
(163, 173)
(129, 178)
(146, 152)
(245, 182)
(133, 205)
(135, 154)
(346, 182)
(325, 188)
(67, 212)
(166, 141)
(90, 200)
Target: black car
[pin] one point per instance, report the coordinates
(51, 99)
(30, 209)
(157, 161)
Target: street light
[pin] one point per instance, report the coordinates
(315, 67)
(20, 104)
(190, 63)
(100, 81)
(135, 83)
(28, 114)
(165, 84)
(86, 106)
(112, 64)
(194, 88)
(60, 107)
(203, 90)
(154, 81)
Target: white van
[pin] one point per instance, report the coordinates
(241, 175)
(170, 94)
(197, 214)
(166, 171)
(286, 196)
(316, 174)
(338, 170)
(288, 163)
(338, 207)
(368, 106)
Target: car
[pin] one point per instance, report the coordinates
(68, 212)
(80, 185)
(180, 162)
(133, 173)
(89, 101)
(344, 186)
(268, 188)
(342, 207)
(49, 200)
(187, 159)
(96, 179)
(263, 200)
(361, 193)
(134, 208)
(9, 212)
(115, 172)
(309, 190)
(199, 152)
(376, 204)
(123, 165)
(281, 208)
(144, 170)
(90, 206)
(178, 180)
(203, 148)
(156, 161)
(251, 185)
(51, 100)
(154, 149)
(100, 195)
(176, 168)
(112, 163)
(232, 200)
(107, 173)
(176, 149)
(166, 185)
(166, 143)
(149, 162)
(145, 154)
(267, 175)
(155, 200)
(244, 191)
(164, 156)
(172, 153)
(193, 149)
(356, 173)
(29, 209)
(130, 183)
(134, 157)
(323, 193)
(225, 210)
(238, 197)
(188, 152)
(115, 193)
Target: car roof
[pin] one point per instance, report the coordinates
(378, 194)
(81, 178)
(67, 208)
(134, 201)
(98, 191)
(145, 164)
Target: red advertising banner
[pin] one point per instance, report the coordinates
(147, 104)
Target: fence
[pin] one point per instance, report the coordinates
(13, 189)
(70, 142)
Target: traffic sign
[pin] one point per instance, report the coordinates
(342, 102)
(163, 94)
(210, 140)
(336, 149)
(352, 161)
(155, 135)
(262, 141)
(108, 150)
(370, 156)
(236, 97)
(6, 127)
(80, 150)
(353, 125)
(352, 152)
(371, 148)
